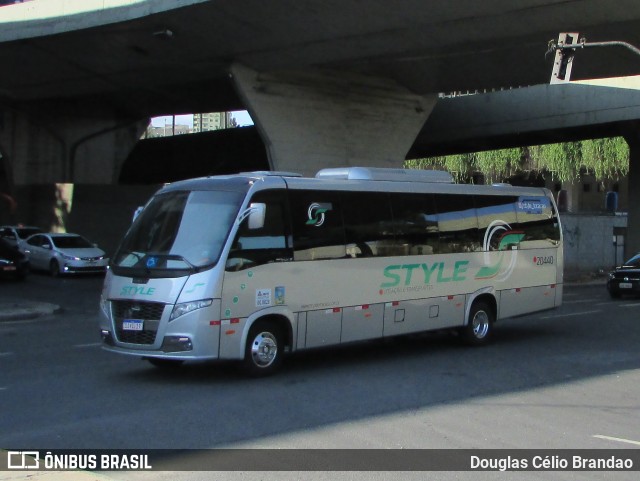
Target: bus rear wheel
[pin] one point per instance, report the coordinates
(479, 328)
(264, 350)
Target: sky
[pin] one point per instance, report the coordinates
(241, 116)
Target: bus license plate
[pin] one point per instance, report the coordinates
(625, 285)
(132, 325)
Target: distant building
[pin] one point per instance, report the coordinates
(167, 130)
(211, 121)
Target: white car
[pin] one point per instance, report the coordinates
(65, 253)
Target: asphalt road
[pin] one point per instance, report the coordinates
(568, 378)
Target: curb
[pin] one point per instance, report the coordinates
(19, 311)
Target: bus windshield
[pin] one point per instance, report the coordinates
(178, 233)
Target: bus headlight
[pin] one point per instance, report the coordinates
(186, 307)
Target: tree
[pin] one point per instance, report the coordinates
(606, 158)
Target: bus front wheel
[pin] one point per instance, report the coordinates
(479, 327)
(264, 349)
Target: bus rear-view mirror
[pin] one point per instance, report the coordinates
(256, 215)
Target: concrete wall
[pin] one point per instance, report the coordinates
(102, 213)
(588, 243)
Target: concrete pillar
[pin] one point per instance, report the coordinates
(317, 119)
(66, 143)
(632, 242)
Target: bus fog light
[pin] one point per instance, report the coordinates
(186, 307)
(106, 337)
(176, 344)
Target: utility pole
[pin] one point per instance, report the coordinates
(565, 48)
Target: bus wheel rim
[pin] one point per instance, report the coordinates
(480, 324)
(264, 349)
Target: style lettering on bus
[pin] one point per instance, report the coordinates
(137, 290)
(405, 274)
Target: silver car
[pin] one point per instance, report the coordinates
(65, 254)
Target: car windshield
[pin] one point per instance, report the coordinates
(633, 262)
(70, 242)
(178, 231)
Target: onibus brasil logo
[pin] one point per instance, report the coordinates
(499, 261)
(316, 212)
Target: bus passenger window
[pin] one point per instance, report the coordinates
(368, 225)
(497, 221)
(457, 223)
(538, 221)
(316, 218)
(416, 223)
(254, 247)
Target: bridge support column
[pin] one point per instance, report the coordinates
(65, 143)
(632, 242)
(310, 121)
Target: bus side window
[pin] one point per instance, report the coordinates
(316, 219)
(368, 225)
(457, 223)
(497, 220)
(538, 221)
(254, 247)
(416, 223)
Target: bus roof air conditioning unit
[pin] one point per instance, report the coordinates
(377, 173)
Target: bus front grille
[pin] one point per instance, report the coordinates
(148, 312)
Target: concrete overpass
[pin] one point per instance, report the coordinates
(540, 114)
(332, 82)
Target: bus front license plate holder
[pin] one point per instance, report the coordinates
(132, 325)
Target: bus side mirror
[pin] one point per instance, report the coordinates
(256, 215)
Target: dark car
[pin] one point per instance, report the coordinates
(13, 263)
(625, 279)
(16, 235)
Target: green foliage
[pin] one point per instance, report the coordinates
(606, 158)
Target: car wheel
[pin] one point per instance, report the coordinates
(479, 327)
(264, 349)
(614, 294)
(54, 268)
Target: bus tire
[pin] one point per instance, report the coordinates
(264, 350)
(479, 327)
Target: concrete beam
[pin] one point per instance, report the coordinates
(316, 119)
(529, 116)
(66, 142)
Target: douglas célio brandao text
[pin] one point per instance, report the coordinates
(550, 463)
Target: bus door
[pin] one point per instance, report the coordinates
(258, 270)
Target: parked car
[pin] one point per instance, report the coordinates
(625, 279)
(16, 235)
(13, 263)
(65, 254)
